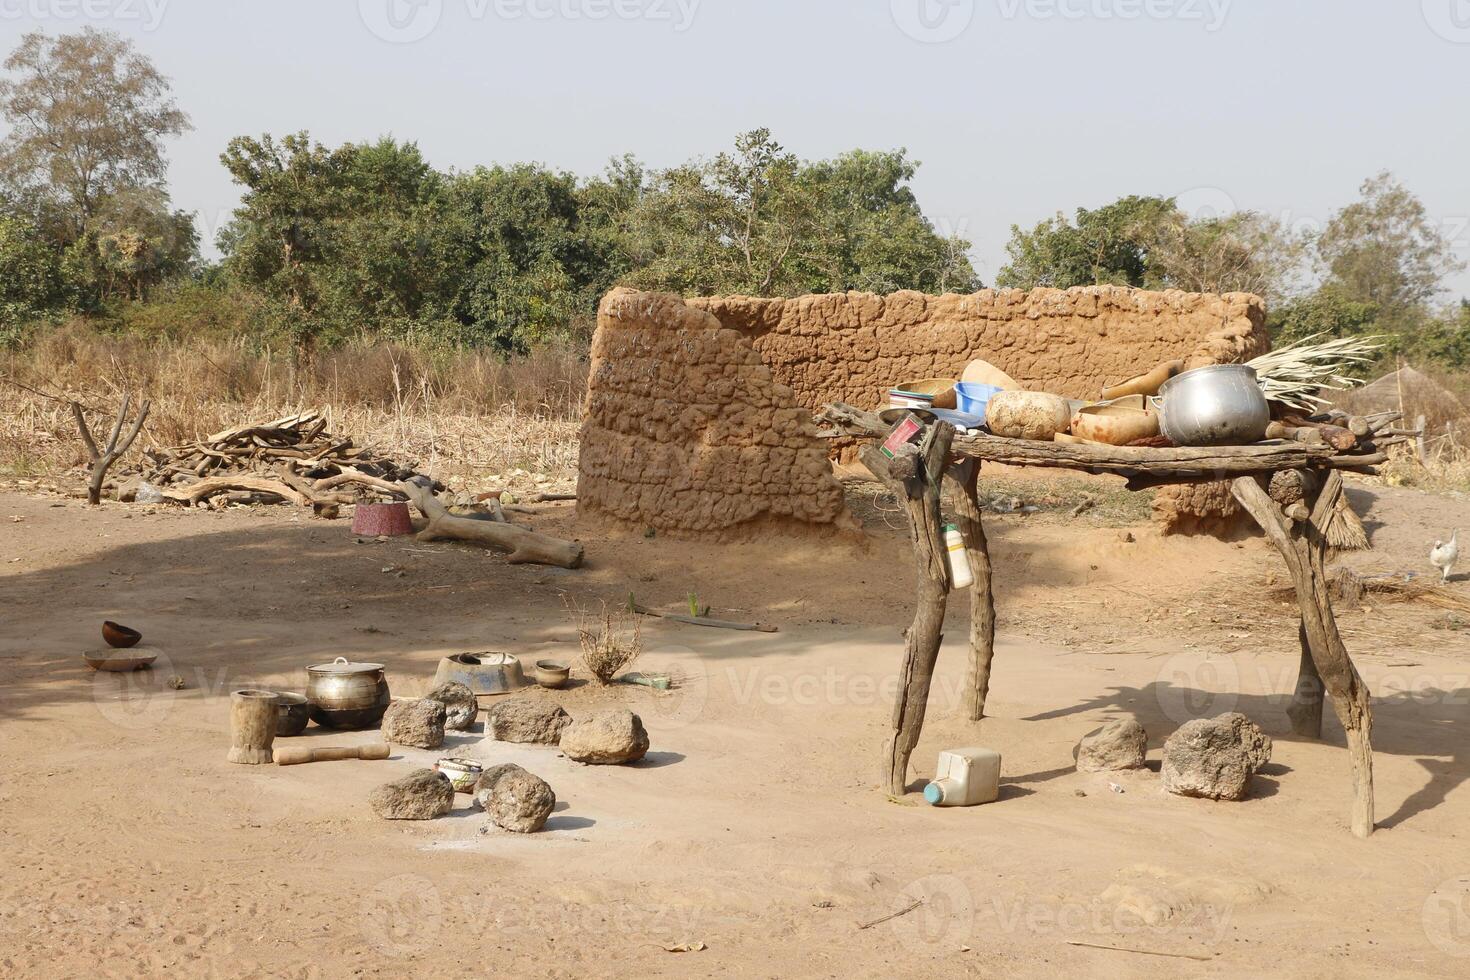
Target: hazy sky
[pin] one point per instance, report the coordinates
(1016, 108)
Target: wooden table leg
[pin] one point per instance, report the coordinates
(965, 478)
(915, 476)
(1305, 710)
(1303, 545)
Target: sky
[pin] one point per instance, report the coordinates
(1016, 109)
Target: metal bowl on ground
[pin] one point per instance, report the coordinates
(347, 695)
(293, 711)
(120, 636)
(552, 673)
(1220, 405)
(461, 773)
(118, 662)
(483, 673)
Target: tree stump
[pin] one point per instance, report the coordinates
(915, 475)
(252, 727)
(1303, 546)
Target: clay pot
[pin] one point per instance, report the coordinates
(1027, 415)
(552, 673)
(120, 636)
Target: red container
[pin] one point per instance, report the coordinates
(388, 520)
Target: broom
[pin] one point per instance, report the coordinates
(1345, 530)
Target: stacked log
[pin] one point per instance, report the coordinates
(289, 460)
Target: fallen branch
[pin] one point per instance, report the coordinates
(719, 624)
(195, 492)
(523, 544)
(1145, 952)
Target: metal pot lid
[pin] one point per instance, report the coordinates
(344, 666)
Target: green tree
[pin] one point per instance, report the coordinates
(1384, 249)
(87, 117)
(30, 277)
(1106, 246)
(132, 243)
(1241, 252)
(1326, 312)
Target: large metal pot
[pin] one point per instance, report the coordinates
(1220, 405)
(347, 695)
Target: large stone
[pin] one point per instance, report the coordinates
(515, 799)
(421, 795)
(1120, 744)
(460, 707)
(418, 723)
(610, 738)
(534, 720)
(1214, 758)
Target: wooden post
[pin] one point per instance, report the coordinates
(1305, 710)
(252, 727)
(1303, 545)
(915, 476)
(965, 478)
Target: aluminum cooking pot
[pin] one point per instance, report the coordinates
(1220, 405)
(347, 695)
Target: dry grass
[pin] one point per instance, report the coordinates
(472, 419)
(611, 640)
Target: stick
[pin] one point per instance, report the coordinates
(195, 492)
(1145, 952)
(719, 624)
(892, 915)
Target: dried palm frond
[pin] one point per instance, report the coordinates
(1293, 375)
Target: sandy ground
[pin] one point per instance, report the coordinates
(755, 826)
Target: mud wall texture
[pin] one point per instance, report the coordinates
(697, 411)
(686, 430)
(853, 347)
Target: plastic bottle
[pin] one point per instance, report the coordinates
(965, 777)
(960, 575)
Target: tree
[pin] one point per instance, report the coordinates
(1326, 312)
(1384, 250)
(132, 243)
(1241, 252)
(1108, 246)
(30, 278)
(760, 221)
(87, 116)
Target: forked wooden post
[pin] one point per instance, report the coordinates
(965, 478)
(915, 475)
(1303, 546)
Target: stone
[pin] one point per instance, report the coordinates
(1120, 744)
(421, 795)
(1214, 758)
(538, 721)
(514, 799)
(460, 707)
(418, 723)
(611, 738)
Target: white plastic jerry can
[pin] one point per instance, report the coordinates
(965, 777)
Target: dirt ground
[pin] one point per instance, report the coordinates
(755, 826)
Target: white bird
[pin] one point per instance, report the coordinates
(1445, 554)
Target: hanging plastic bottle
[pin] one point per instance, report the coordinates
(960, 575)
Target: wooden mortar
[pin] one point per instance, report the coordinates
(252, 727)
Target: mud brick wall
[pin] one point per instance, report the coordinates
(686, 430)
(696, 410)
(853, 347)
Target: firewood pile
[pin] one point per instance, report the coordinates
(289, 460)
